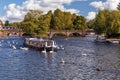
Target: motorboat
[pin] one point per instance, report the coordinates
(114, 42)
(100, 38)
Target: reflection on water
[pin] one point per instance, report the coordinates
(81, 55)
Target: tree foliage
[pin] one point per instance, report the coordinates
(107, 22)
(79, 23)
(32, 15)
(58, 20)
(37, 23)
(118, 7)
(7, 23)
(90, 24)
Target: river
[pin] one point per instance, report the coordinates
(81, 55)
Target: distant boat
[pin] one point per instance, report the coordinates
(100, 38)
(114, 42)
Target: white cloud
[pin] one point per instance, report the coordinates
(91, 15)
(16, 12)
(81, 0)
(3, 18)
(109, 4)
(58, 1)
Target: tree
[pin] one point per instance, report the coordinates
(118, 7)
(107, 22)
(90, 23)
(44, 22)
(115, 22)
(37, 23)
(100, 24)
(7, 23)
(33, 15)
(28, 27)
(80, 23)
(58, 20)
(67, 20)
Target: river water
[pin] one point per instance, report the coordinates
(81, 55)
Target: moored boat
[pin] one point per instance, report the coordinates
(114, 42)
(100, 38)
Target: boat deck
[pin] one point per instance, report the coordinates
(41, 44)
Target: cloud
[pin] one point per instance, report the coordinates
(91, 15)
(16, 12)
(80, 0)
(109, 4)
(58, 1)
(3, 18)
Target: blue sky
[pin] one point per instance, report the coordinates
(83, 6)
(7, 2)
(14, 10)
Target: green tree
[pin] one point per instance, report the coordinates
(33, 15)
(90, 24)
(114, 22)
(7, 23)
(118, 7)
(44, 23)
(80, 23)
(28, 27)
(107, 22)
(15, 24)
(58, 19)
(67, 21)
(100, 24)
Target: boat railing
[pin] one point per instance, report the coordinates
(40, 42)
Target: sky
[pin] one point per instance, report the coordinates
(15, 10)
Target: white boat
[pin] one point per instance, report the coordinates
(100, 38)
(114, 42)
